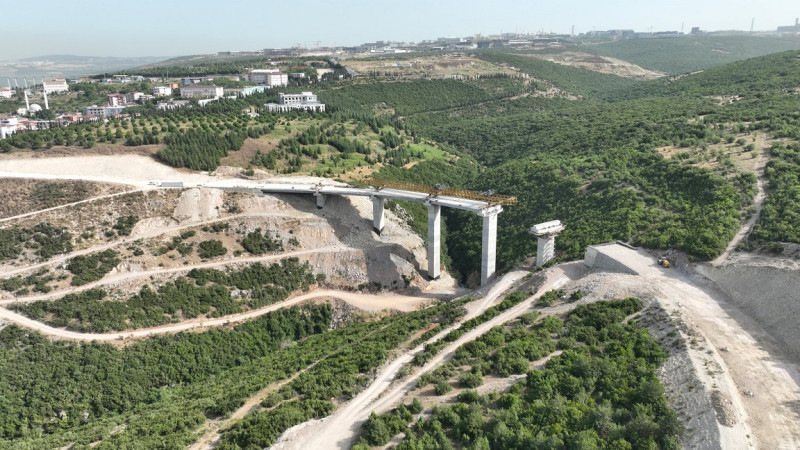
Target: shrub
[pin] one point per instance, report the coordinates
(124, 225)
(88, 268)
(549, 297)
(442, 387)
(469, 396)
(210, 249)
(471, 380)
(256, 243)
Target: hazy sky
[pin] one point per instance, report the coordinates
(178, 27)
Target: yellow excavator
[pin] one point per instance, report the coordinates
(664, 262)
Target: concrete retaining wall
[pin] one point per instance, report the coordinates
(602, 257)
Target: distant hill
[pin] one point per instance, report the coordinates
(689, 54)
(70, 65)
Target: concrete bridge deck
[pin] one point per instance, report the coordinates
(379, 195)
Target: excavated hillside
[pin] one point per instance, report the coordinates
(766, 289)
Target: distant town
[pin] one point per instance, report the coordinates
(282, 70)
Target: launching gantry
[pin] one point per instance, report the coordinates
(485, 204)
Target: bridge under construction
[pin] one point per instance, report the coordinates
(486, 205)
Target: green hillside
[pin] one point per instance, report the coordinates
(595, 164)
(682, 55)
(665, 164)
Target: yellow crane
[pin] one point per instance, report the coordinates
(489, 197)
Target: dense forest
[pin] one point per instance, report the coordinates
(594, 163)
(780, 217)
(600, 392)
(201, 292)
(676, 56)
(163, 388)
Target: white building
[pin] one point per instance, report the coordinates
(103, 111)
(55, 86)
(305, 101)
(172, 104)
(189, 81)
(277, 79)
(161, 91)
(260, 75)
(8, 126)
(116, 99)
(269, 77)
(201, 91)
(134, 97)
(5, 92)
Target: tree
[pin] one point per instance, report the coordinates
(375, 430)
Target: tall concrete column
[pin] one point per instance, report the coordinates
(378, 204)
(434, 240)
(320, 200)
(545, 249)
(489, 243)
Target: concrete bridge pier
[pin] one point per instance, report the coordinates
(378, 205)
(434, 241)
(489, 242)
(320, 200)
(545, 249)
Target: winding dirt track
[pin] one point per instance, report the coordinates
(160, 271)
(747, 227)
(386, 300)
(67, 205)
(339, 429)
(130, 239)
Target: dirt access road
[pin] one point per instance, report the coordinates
(375, 301)
(340, 429)
(126, 276)
(743, 361)
(732, 356)
(758, 204)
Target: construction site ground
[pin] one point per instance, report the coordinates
(733, 383)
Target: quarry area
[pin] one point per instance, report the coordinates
(602, 64)
(733, 375)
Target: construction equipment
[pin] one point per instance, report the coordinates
(664, 262)
(440, 189)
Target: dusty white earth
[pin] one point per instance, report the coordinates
(729, 389)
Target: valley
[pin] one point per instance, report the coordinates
(173, 313)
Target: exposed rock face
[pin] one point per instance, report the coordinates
(198, 204)
(766, 289)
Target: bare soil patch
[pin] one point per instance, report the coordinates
(22, 196)
(132, 169)
(602, 64)
(431, 66)
(100, 149)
